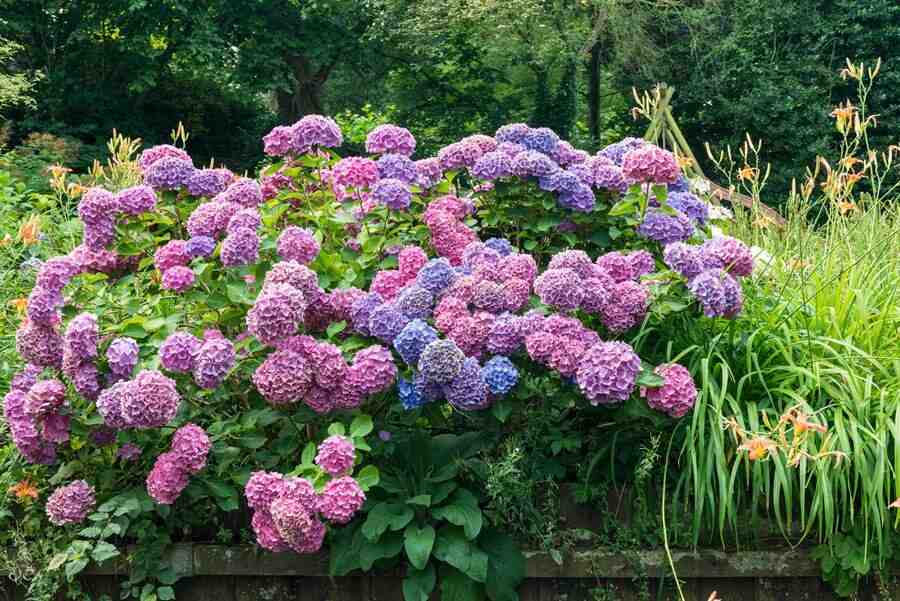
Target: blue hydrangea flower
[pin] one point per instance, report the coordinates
(696, 210)
(386, 322)
(397, 166)
(491, 166)
(415, 302)
(413, 339)
(580, 199)
(409, 395)
(501, 245)
(665, 228)
(200, 246)
(436, 275)
(500, 375)
(468, 390)
(542, 139)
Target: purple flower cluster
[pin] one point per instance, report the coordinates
(665, 228)
(71, 504)
(608, 372)
(390, 139)
(298, 244)
(172, 470)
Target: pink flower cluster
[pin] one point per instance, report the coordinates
(288, 512)
(449, 234)
(171, 471)
(71, 504)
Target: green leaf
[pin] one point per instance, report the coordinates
(336, 429)
(165, 593)
(506, 565)
(104, 551)
(462, 510)
(152, 325)
(345, 549)
(501, 409)
(418, 543)
(361, 426)
(423, 500)
(336, 328)
(650, 379)
(309, 454)
(252, 441)
(452, 546)
(626, 206)
(387, 546)
(237, 293)
(456, 586)
(386, 516)
(440, 492)
(74, 567)
(418, 584)
(91, 532)
(367, 477)
(58, 560)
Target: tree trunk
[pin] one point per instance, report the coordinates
(594, 93)
(305, 97)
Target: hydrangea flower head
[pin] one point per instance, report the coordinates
(358, 172)
(240, 247)
(136, 200)
(71, 504)
(209, 182)
(468, 390)
(387, 321)
(214, 361)
(200, 246)
(178, 279)
(390, 138)
(397, 166)
(373, 370)
(541, 139)
(687, 203)
(179, 351)
(608, 372)
(169, 173)
(616, 152)
(316, 130)
(531, 163)
(155, 153)
(190, 446)
(650, 164)
(500, 375)
(616, 265)
(39, 344)
(262, 488)
(730, 254)
(719, 294)
(626, 306)
(559, 288)
(512, 133)
(298, 244)
(683, 258)
(409, 396)
(341, 499)
(678, 393)
(336, 455)
(167, 479)
(392, 193)
(664, 227)
(279, 142)
(150, 400)
(122, 356)
(428, 172)
(491, 166)
(459, 155)
(441, 361)
(436, 275)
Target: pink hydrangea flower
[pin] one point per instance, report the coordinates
(71, 504)
(341, 499)
(336, 455)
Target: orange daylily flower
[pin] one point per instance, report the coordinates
(7, 239)
(30, 230)
(895, 504)
(747, 172)
(684, 161)
(850, 161)
(844, 114)
(23, 490)
(845, 207)
(20, 304)
(758, 448)
(802, 423)
(58, 170)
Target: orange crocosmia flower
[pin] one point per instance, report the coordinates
(20, 304)
(757, 448)
(23, 490)
(30, 230)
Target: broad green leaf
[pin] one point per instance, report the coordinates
(104, 551)
(309, 454)
(386, 516)
(336, 429)
(74, 567)
(650, 380)
(626, 206)
(367, 477)
(418, 543)
(452, 546)
(506, 565)
(336, 328)
(91, 532)
(252, 441)
(165, 593)
(418, 584)
(386, 546)
(423, 500)
(345, 548)
(456, 586)
(361, 426)
(462, 510)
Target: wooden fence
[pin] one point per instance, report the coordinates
(244, 573)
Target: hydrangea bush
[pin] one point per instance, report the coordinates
(212, 324)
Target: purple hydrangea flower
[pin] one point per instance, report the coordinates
(178, 279)
(248, 218)
(441, 361)
(386, 322)
(358, 172)
(718, 293)
(245, 192)
(71, 504)
(129, 452)
(341, 499)
(512, 133)
(179, 352)
(501, 245)
(615, 152)
(150, 400)
(190, 446)
(468, 390)
(533, 163)
(214, 361)
(315, 130)
(298, 244)
(211, 218)
(166, 480)
(136, 200)
(209, 182)
(459, 155)
(336, 455)
(687, 203)
(373, 370)
(504, 335)
(109, 404)
(43, 305)
(608, 372)
(169, 173)
(283, 378)
(392, 193)
(171, 254)
(730, 254)
(155, 153)
(413, 339)
(39, 344)
(678, 393)
(200, 246)
(279, 142)
(240, 247)
(80, 340)
(415, 302)
(650, 163)
(580, 199)
(390, 138)
(397, 166)
(665, 228)
(428, 173)
(559, 288)
(436, 275)
(492, 165)
(541, 139)
(122, 356)
(683, 258)
(625, 307)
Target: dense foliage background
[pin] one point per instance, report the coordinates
(444, 68)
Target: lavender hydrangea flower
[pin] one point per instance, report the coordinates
(283, 378)
(315, 130)
(151, 155)
(39, 344)
(687, 203)
(718, 293)
(512, 133)
(43, 305)
(397, 166)
(71, 504)
(683, 258)
(373, 370)
(415, 302)
(279, 141)
(179, 352)
(166, 480)
(500, 375)
(650, 163)
(122, 356)
(392, 193)
(341, 499)
(361, 311)
(248, 218)
(459, 155)
(390, 138)
(541, 139)
(178, 279)
(441, 361)
(468, 390)
(244, 192)
(136, 200)
(214, 361)
(209, 182)
(413, 339)
(625, 307)
(608, 372)
(730, 254)
(80, 340)
(298, 244)
(169, 173)
(436, 275)
(559, 288)
(501, 245)
(616, 152)
(428, 172)
(504, 335)
(129, 452)
(358, 172)
(665, 228)
(200, 246)
(149, 401)
(109, 404)
(240, 247)
(211, 218)
(386, 322)
(491, 166)
(533, 163)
